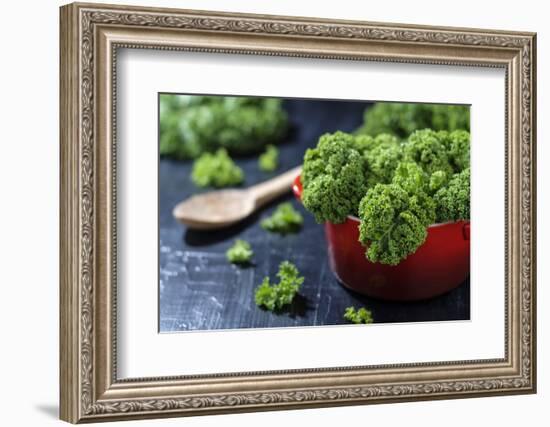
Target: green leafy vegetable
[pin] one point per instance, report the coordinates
(411, 177)
(457, 144)
(403, 187)
(437, 180)
(393, 222)
(382, 159)
(402, 119)
(240, 252)
(269, 160)
(426, 147)
(275, 297)
(453, 200)
(191, 125)
(333, 178)
(450, 117)
(398, 182)
(285, 219)
(216, 170)
(358, 316)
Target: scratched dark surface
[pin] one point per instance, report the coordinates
(200, 290)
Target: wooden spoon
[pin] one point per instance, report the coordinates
(222, 208)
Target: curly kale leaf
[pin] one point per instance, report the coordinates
(364, 143)
(216, 170)
(275, 297)
(269, 160)
(382, 154)
(284, 220)
(249, 126)
(171, 143)
(333, 178)
(402, 119)
(393, 222)
(426, 148)
(437, 180)
(382, 159)
(457, 144)
(396, 118)
(361, 316)
(192, 125)
(240, 252)
(412, 178)
(453, 200)
(450, 117)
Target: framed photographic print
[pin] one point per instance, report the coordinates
(267, 212)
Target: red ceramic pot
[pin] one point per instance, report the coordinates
(441, 264)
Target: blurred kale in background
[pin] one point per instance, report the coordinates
(402, 119)
(191, 125)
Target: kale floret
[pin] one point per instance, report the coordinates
(453, 200)
(437, 180)
(240, 252)
(394, 217)
(192, 125)
(450, 117)
(426, 148)
(457, 144)
(411, 178)
(360, 316)
(364, 143)
(382, 159)
(171, 143)
(216, 170)
(402, 119)
(246, 126)
(398, 190)
(284, 220)
(333, 178)
(394, 220)
(269, 160)
(275, 297)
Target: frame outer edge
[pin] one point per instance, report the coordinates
(68, 227)
(533, 125)
(78, 224)
(304, 19)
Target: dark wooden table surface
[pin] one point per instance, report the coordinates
(200, 290)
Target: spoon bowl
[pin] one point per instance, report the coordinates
(215, 209)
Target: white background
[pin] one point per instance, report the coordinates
(29, 171)
(143, 352)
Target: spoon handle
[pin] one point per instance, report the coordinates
(269, 190)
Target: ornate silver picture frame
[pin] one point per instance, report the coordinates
(91, 34)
